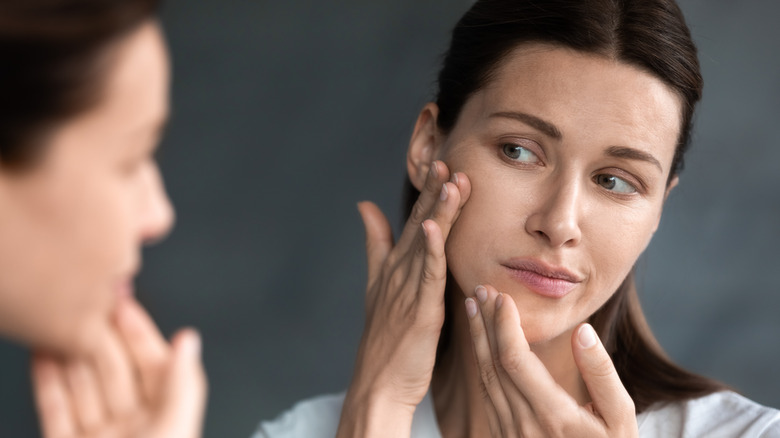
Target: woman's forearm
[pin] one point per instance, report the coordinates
(369, 414)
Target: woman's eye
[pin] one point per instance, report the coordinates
(615, 184)
(519, 153)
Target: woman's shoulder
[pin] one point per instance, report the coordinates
(313, 417)
(721, 414)
(319, 417)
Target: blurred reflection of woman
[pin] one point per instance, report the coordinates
(83, 99)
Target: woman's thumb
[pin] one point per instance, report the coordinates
(607, 392)
(184, 398)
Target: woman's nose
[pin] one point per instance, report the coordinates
(157, 212)
(556, 219)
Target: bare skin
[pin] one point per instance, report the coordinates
(568, 158)
(136, 385)
(72, 228)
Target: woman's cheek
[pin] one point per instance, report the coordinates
(458, 247)
(615, 248)
(469, 244)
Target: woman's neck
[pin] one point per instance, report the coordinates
(455, 387)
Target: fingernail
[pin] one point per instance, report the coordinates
(192, 344)
(444, 191)
(587, 336)
(471, 307)
(434, 170)
(455, 178)
(481, 293)
(425, 229)
(499, 301)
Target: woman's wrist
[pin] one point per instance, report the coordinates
(373, 413)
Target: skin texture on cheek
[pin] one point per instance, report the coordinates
(554, 213)
(566, 114)
(492, 228)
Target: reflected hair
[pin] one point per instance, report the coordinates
(649, 34)
(53, 58)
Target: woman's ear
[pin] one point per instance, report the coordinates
(423, 145)
(672, 184)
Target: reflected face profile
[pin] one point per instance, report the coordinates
(568, 155)
(72, 225)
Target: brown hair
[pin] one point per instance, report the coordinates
(53, 55)
(649, 34)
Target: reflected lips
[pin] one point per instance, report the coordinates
(125, 288)
(541, 278)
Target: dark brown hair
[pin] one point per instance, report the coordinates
(649, 34)
(52, 65)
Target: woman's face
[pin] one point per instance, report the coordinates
(72, 226)
(568, 156)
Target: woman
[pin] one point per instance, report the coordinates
(557, 134)
(84, 96)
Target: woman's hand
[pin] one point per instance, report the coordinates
(404, 309)
(521, 397)
(134, 385)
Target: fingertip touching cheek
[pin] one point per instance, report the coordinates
(568, 155)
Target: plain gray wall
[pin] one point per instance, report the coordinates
(286, 113)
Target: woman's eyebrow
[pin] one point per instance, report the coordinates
(535, 122)
(633, 154)
(552, 131)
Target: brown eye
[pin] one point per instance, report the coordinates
(519, 153)
(615, 184)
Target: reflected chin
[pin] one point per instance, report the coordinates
(79, 337)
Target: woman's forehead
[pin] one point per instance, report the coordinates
(581, 94)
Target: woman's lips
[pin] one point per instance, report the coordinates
(125, 288)
(125, 285)
(541, 278)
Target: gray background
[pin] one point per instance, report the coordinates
(286, 113)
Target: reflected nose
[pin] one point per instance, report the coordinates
(556, 220)
(158, 214)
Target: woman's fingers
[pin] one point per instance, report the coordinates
(85, 394)
(116, 375)
(98, 396)
(452, 198)
(429, 196)
(463, 184)
(546, 398)
(379, 237)
(432, 269)
(184, 399)
(537, 405)
(498, 409)
(610, 398)
(490, 299)
(437, 175)
(51, 398)
(479, 344)
(145, 345)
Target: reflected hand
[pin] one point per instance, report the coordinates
(404, 305)
(521, 397)
(135, 384)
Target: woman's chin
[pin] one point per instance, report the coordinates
(78, 339)
(540, 329)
